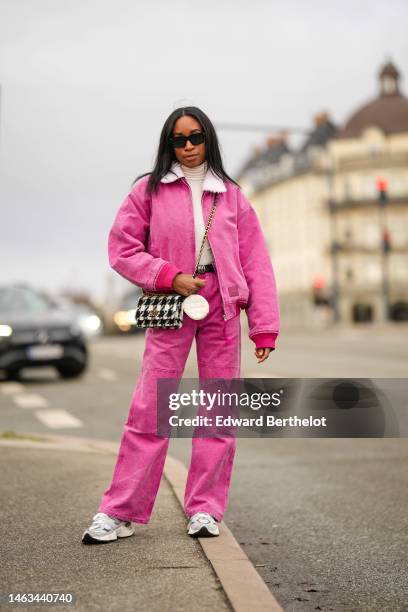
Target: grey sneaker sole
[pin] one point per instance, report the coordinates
(124, 531)
(203, 532)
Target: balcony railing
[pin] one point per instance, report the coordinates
(348, 248)
(370, 202)
(372, 160)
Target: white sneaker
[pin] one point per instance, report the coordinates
(105, 528)
(202, 525)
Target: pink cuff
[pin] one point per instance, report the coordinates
(164, 281)
(265, 340)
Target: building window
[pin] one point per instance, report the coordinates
(362, 313)
(370, 188)
(375, 149)
(372, 272)
(346, 190)
(370, 233)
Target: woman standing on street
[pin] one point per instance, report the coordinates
(153, 243)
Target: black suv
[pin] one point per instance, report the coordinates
(36, 332)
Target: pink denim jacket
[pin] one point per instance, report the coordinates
(153, 239)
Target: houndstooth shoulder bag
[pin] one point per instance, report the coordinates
(166, 310)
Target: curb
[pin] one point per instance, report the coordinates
(240, 581)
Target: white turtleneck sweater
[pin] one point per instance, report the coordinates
(195, 177)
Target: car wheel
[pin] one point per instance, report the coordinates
(12, 374)
(71, 371)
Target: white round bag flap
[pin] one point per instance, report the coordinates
(196, 307)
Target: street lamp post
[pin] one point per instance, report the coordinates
(334, 261)
(382, 187)
(334, 247)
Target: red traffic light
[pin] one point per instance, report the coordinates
(319, 282)
(382, 184)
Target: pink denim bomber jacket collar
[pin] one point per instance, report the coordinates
(153, 239)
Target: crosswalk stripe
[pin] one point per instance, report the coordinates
(56, 419)
(8, 388)
(30, 400)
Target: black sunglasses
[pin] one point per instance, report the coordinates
(179, 142)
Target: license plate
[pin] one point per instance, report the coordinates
(45, 351)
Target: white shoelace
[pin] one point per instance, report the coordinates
(104, 522)
(202, 517)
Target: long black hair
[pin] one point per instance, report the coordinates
(165, 155)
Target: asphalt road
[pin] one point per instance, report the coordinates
(323, 520)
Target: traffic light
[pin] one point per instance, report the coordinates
(319, 293)
(382, 188)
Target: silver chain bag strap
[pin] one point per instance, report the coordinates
(166, 310)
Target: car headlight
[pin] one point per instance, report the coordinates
(91, 323)
(5, 331)
(124, 319)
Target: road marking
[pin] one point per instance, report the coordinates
(8, 388)
(106, 374)
(56, 419)
(30, 400)
(124, 351)
(260, 375)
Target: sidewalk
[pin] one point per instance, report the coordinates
(48, 498)
(395, 328)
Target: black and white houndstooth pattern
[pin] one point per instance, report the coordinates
(160, 310)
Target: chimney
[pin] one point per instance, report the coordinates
(389, 80)
(320, 118)
(277, 139)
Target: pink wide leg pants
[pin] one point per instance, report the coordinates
(142, 453)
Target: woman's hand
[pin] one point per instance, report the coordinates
(185, 284)
(262, 353)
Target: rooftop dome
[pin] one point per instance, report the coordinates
(389, 111)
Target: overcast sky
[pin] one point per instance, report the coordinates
(87, 85)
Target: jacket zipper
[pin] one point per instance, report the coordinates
(224, 316)
(192, 216)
